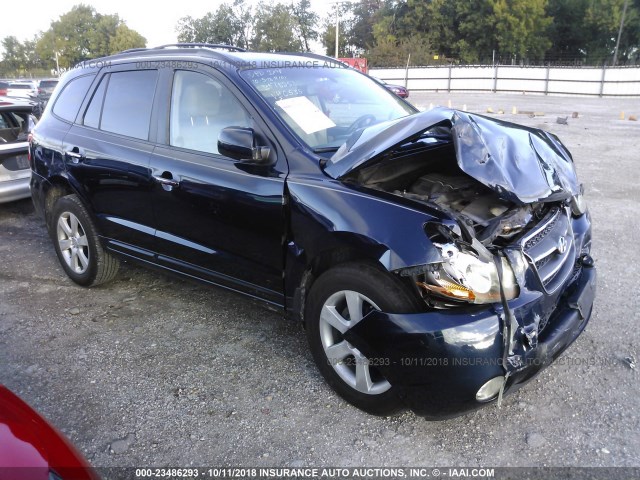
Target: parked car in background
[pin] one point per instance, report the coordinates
(46, 87)
(438, 259)
(16, 121)
(3, 88)
(22, 89)
(399, 90)
(32, 449)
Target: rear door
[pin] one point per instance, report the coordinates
(15, 124)
(107, 153)
(218, 219)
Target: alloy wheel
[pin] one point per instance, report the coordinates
(73, 242)
(340, 312)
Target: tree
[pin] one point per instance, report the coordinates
(520, 27)
(268, 27)
(14, 58)
(461, 30)
(275, 29)
(306, 22)
(567, 32)
(329, 29)
(125, 38)
(223, 26)
(82, 34)
(603, 21)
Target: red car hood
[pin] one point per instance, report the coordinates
(30, 446)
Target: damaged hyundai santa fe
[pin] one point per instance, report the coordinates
(438, 260)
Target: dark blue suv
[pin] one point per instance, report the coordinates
(437, 259)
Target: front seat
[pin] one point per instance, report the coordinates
(198, 112)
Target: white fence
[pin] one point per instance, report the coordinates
(600, 81)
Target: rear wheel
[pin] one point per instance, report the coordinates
(78, 246)
(338, 300)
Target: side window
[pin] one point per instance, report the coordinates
(92, 115)
(200, 108)
(68, 102)
(128, 102)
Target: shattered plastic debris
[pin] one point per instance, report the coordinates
(631, 362)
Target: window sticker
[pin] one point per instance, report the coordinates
(306, 114)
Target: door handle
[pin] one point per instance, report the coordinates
(75, 154)
(167, 181)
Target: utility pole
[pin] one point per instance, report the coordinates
(338, 30)
(624, 12)
(337, 3)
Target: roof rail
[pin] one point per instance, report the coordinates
(206, 45)
(133, 50)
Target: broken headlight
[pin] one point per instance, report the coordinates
(578, 204)
(463, 276)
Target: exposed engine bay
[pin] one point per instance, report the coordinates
(496, 181)
(426, 171)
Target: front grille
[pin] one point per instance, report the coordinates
(551, 249)
(548, 226)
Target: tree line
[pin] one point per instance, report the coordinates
(486, 31)
(423, 32)
(387, 32)
(78, 35)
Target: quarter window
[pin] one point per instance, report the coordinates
(200, 108)
(69, 100)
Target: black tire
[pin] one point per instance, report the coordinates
(77, 245)
(375, 288)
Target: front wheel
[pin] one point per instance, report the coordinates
(338, 300)
(78, 246)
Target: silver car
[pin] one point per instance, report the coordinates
(22, 89)
(16, 121)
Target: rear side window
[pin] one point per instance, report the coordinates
(128, 102)
(69, 100)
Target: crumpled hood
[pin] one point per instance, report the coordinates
(521, 164)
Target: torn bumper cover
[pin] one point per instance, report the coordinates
(439, 360)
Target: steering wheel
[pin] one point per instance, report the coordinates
(361, 122)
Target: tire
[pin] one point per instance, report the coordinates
(347, 291)
(77, 244)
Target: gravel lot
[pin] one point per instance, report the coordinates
(150, 370)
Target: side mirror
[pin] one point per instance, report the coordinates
(239, 143)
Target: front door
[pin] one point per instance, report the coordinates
(216, 218)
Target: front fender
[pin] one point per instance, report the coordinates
(329, 216)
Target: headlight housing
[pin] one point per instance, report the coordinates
(578, 203)
(464, 276)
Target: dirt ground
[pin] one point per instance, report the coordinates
(151, 370)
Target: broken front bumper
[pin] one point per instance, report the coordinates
(439, 360)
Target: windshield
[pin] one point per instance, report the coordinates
(324, 106)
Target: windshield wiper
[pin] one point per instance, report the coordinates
(325, 149)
